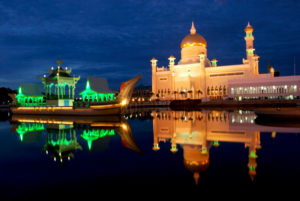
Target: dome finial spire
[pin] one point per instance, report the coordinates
(193, 29)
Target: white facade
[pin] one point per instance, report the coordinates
(285, 87)
(197, 77)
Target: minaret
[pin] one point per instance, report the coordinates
(252, 58)
(252, 165)
(171, 62)
(171, 66)
(253, 146)
(214, 62)
(155, 133)
(249, 41)
(173, 144)
(154, 63)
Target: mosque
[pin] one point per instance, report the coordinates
(197, 77)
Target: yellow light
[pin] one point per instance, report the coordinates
(124, 126)
(104, 106)
(194, 44)
(105, 124)
(45, 108)
(49, 121)
(124, 102)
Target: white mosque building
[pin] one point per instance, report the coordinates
(197, 77)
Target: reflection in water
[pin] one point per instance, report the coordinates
(95, 134)
(196, 132)
(61, 141)
(61, 138)
(24, 128)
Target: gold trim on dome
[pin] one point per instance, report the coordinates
(193, 44)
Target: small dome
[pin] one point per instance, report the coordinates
(249, 28)
(193, 39)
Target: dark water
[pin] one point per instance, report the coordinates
(145, 148)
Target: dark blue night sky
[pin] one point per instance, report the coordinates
(117, 38)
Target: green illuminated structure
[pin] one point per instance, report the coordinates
(91, 135)
(252, 154)
(216, 143)
(250, 51)
(214, 62)
(97, 90)
(24, 128)
(59, 86)
(61, 141)
(30, 95)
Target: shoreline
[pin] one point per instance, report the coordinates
(221, 104)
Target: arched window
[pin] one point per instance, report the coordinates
(224, 90)
(216, 91)
(212, 91)
(220, 90)
(208, 91)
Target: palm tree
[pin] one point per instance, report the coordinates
(190, 91)
(199, 92)
(181, 93)
(175, 92)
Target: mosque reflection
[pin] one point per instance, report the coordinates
(196, 132)
(62, 133)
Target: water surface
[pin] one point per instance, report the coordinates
(162, 148)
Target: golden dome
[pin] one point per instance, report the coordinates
(153, 59)
(193, 39)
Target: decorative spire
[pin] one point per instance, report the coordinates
(248, 28)
(193, 29)
(87, 84)
(59, 62)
